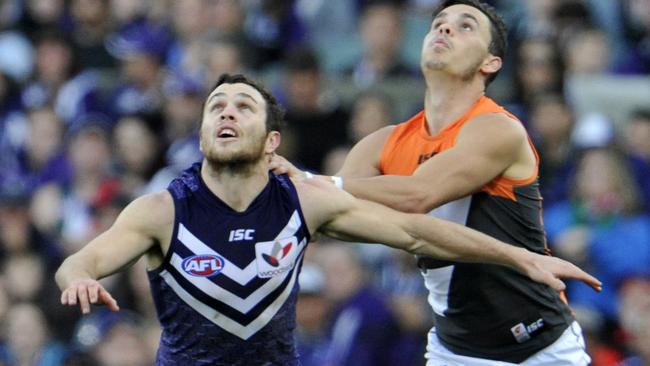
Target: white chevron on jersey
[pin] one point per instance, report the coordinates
(243, 305)
(239, 275)
(243, 332)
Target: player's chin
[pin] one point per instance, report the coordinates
(432, 64)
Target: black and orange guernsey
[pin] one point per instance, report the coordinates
(483, 310)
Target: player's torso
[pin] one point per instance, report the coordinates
(226, 291)
(483, 310)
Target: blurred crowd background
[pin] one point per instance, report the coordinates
(100, 102)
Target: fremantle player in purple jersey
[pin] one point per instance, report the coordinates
(224, 243)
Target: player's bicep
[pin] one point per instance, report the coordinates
(483, 151)
(363, 160)
(138, 227)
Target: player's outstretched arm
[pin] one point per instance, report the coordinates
(336, 213)
(138, 227)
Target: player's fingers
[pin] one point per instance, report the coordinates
(278, 165)
(93, 292)
(72, 296)
(557, 284)
(64, 297)
(590, 280)
(278, 169)
(82, 294)
(106, 298)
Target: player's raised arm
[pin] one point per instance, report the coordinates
(338, 214)
(143, 223)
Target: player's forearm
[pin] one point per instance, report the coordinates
(75, 267)
(401, 193)
(449, 241)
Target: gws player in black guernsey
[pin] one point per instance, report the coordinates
(467, 159)
(225, 242)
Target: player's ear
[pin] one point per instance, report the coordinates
(273, 140)
(491, 64)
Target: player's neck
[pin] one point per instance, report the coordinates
(237, 188)
(448, 98)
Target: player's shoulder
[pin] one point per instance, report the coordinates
(380, 136)
(495, 124)
(152, 210)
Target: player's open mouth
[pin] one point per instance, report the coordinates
(227, 133)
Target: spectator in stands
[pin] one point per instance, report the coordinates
(363, 327)
(91, 26)
(113, 339)
(539, 70)
(42, 159)
(16, 52)
(182, 113)
(312, 316)
(138, 154)
(44, 14)
(271, 28)
(600, 228)
(128, 12)
(223, 56)
(586, 52)
(60, 81)
(141, 49)
(12, 120)
(28, 340)
(18, 236)
(636, 140)
(551, 123)
(380, 30)
(635, 320)
(371, 111)
(89, 153)
(316, 120)
(636, 16)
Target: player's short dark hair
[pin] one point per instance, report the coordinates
(498, 28)
(274, 111)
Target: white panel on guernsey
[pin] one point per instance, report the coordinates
(455, 211)
(437, 280)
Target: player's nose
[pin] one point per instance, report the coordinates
(228, 113)
(444, 29)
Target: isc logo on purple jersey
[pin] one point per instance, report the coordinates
(203, 265)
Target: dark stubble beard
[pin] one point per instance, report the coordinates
(240, 162)
(466, 75)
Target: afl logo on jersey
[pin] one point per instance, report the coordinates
(203, 265)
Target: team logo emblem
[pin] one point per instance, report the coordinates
(203, 265)
(278, 252)
(276, 257)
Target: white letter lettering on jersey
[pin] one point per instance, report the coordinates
(241, 234)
